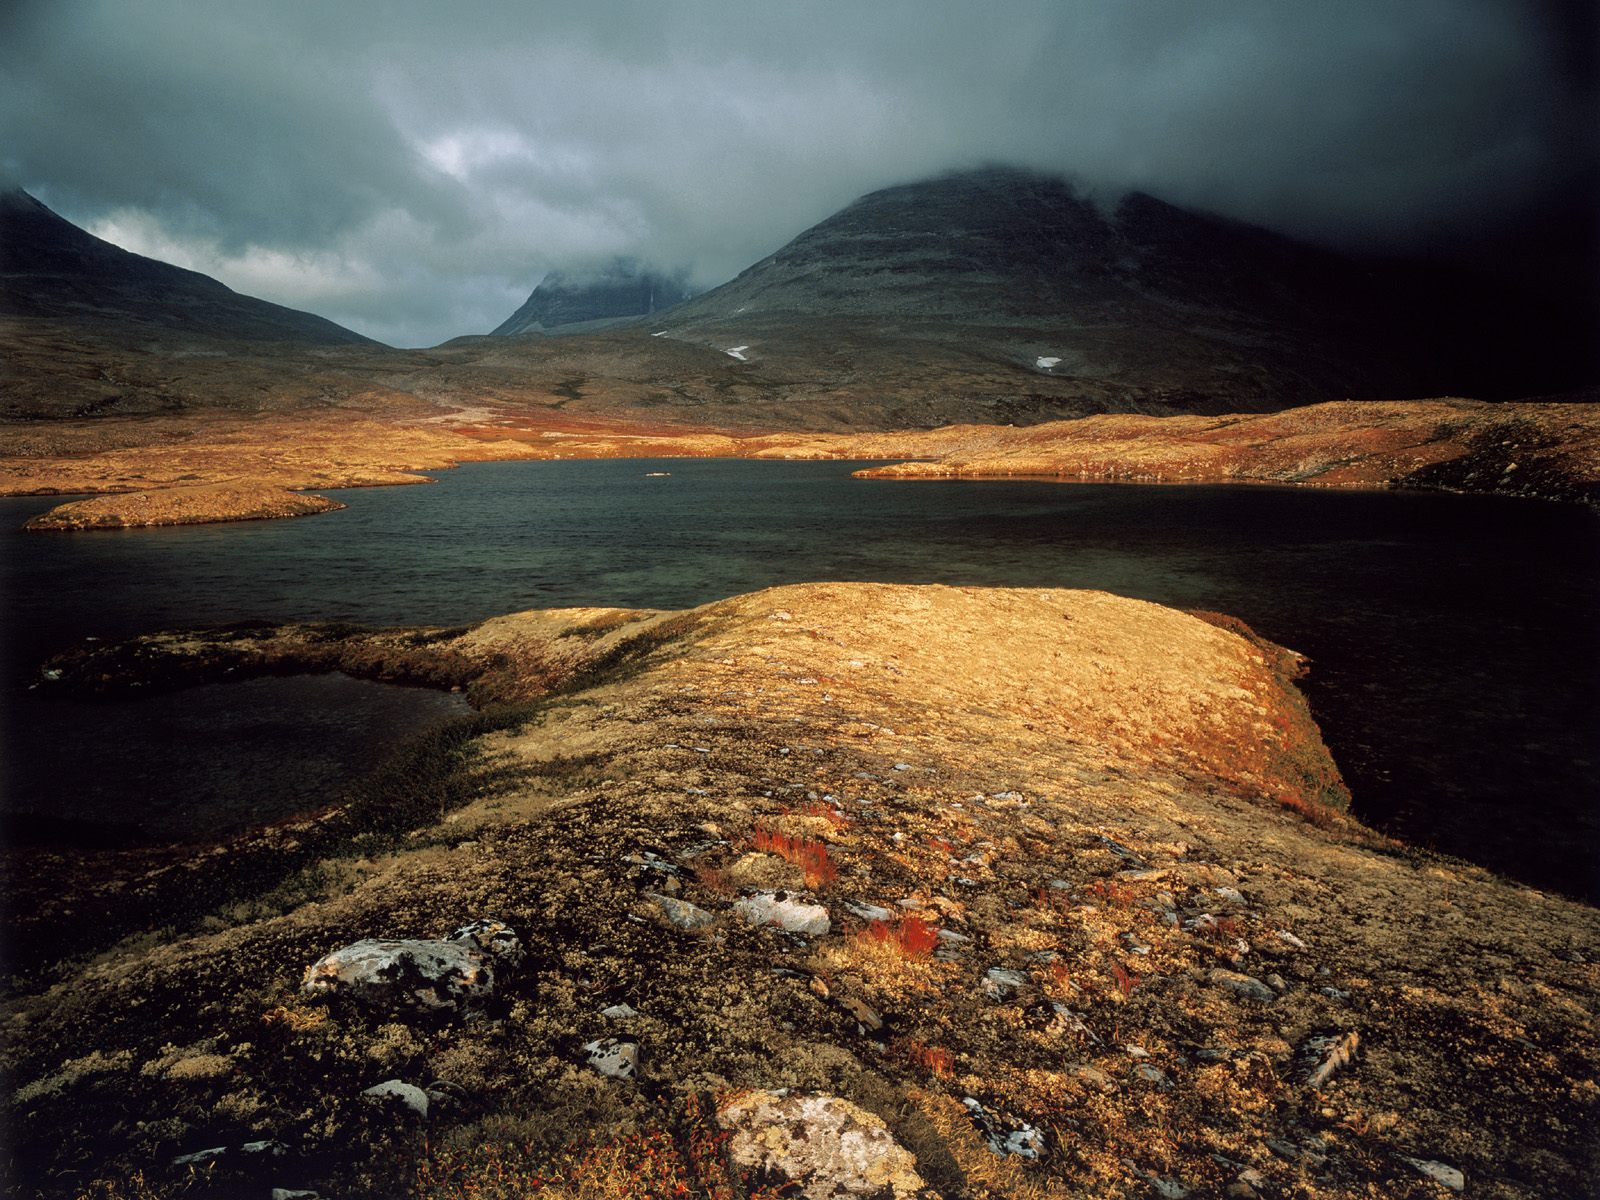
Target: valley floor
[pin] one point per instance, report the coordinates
(1075, 913)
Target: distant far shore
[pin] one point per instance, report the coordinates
(153, 471)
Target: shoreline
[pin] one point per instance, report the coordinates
(1542, 451)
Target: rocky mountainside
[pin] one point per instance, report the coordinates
(51, 269)
(994, 298)
(621, 288)
(1139, 302)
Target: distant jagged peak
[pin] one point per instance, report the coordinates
(609, 290)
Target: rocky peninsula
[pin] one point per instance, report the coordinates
(829, 890)
(200, 504)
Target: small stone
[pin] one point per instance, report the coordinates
(1001, 983)
(1007, 1137)
(1093, 1076)
(293, 1194)
(1243, 985)
(1155, 1075)
(619, 1012)
(200, 1156)
(681, 913)
(785, 911)
(902, 766)
(1231, 895)
(866, 1020)
(1438, 1172)
(408, 1094)
(1289, 939)
(867, 912)
(616, 1058)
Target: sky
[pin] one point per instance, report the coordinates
(412, 169)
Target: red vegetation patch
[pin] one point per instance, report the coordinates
(810, 856)
(933, 1059)
(912, 938)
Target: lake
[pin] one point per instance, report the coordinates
(1455, 642)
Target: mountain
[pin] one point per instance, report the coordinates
(621, 288)
(89, 329)
(1140, 302)
(52, 270)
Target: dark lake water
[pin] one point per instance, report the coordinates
(1455, 639)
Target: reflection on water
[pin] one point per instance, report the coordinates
(1457, 653)
(212, 760)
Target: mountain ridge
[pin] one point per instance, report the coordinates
(51, 269)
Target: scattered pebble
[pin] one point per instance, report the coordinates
(1243, 985)
(1006, 1136)
(1438, 1172)
(616, 1058)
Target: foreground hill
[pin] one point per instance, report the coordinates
(1081, 918)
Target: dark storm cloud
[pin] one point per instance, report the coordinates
(411, 169)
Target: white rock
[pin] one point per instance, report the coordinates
(1231, 895)
(1289, 939)
(294, 1194)
(1438, 1172)
(785, 911)
(447, 975)
(408, 1094)
(619, 1012)
(830, 1148)
(614, 1057)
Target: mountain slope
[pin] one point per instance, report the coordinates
(52, 270)
(621, 288)
(1143, 304)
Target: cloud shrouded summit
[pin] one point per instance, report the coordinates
(411, 172)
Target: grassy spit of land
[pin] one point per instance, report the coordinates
(1544, 450)
(1154, 924)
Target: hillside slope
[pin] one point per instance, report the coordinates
(1067, 928)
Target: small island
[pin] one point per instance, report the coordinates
(197, 504)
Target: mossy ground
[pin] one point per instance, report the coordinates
(1045, 775)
